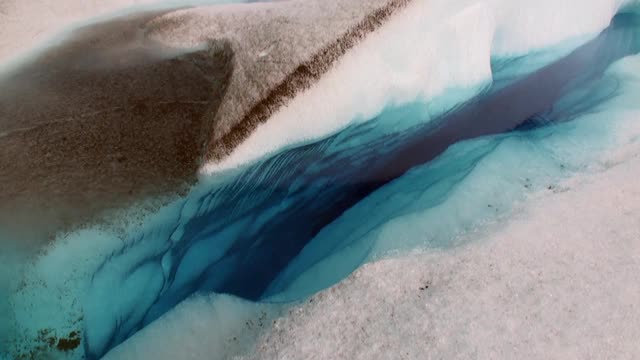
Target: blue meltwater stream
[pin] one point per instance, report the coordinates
(291, 224)
(254, 232)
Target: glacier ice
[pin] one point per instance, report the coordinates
(237, 238)
(465, 283)
(282, 226)
(430, 48)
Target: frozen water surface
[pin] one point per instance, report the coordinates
(478, 155)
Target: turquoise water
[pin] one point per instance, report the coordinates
(297, 222)
(255, 233)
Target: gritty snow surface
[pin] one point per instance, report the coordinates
(559, 281)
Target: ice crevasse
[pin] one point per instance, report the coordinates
(324, 185)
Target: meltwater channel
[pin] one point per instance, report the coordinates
(253, 232)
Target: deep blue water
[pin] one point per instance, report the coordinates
(240, 233)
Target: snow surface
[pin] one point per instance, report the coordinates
(279, 38)
(555, 279)
(431, 46)
(559, 280)
(203, 327)
(577, 245)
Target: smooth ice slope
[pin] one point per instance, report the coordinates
(432, 46)
(419, 54)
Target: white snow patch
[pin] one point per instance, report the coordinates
(425, 49)
(559, 280)
(202, 327)
(415, 56)
(556, 280)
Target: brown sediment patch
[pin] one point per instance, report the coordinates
(46, 344)
(71, 342)
(101, 121)
(307, 73)
(111, 116)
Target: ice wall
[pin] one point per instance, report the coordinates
(239, 237)
(557, 279)
(444, 302)
(441, 177)
(237, 231)
(431, 47)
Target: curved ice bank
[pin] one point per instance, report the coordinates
(426, 207)
(237, 234)
(260, 218)
(535, 107)
(429, 47)
(450, 299)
